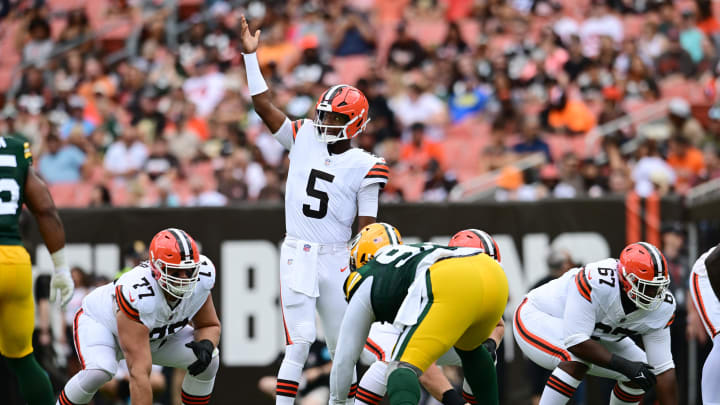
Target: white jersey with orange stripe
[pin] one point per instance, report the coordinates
(138, 295)
(589, 299)
(699, 266)
(322, 188)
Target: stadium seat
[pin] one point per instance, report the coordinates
(351, 68)
(428, 32)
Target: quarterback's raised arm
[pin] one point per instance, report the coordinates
(271, 115)
(134, 342)
(354, 331)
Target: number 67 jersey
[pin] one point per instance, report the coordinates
(589, 299)
(322, 188)
(138, 295)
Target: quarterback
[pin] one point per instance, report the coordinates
(439, 298)
(582, 323)
(329, 183)
(20, 184)
(382, 338)
(160, 312)
(704, 287)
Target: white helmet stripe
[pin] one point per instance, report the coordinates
(486, 240)
(656, 256)
(331, 92)
(183, 242)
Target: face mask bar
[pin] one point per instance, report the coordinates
(645, 294)
(178, 287)
(323, 130)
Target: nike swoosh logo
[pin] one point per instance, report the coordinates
(343, 269)
(131, 298)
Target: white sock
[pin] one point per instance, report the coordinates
(559, 388)
(196, 390)
(622, 394)
(372, 385)
(83, 386)
(290, 373)
(711, 375)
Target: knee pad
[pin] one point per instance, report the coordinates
(83, 385)
(297, 353)
(211, 370)
(303, 333)
(203, 383)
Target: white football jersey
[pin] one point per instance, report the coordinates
(321, 190)
(589, 301)
(699, 266)
(138, 295)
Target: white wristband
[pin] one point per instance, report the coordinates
(58, 259)
(256, 82)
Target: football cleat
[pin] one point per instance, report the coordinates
(476, 238)
(365, 245)
(644, 275)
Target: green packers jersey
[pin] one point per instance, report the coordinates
(392, 272)
(15, 159)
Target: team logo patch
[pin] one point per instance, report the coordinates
(377, 240)
(290, 261)
(306, 248)
(327, 162)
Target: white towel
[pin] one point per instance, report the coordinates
(413, 304)
(304, 277)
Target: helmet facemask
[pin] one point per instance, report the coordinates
(332, 126)
(646, 294)
(178, 287)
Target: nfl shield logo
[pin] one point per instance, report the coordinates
(290, 261)
(306, 248)
(327, 162)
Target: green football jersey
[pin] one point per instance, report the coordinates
(15, 159)
(393, 271)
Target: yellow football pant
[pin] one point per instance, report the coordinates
(467, 297)
(17, 308)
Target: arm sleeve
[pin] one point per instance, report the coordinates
(368, 200)
(579, 316)
(286, 134)
(657, 348)
(379, 173)
(354, 331)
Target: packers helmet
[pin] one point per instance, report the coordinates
(369, 240)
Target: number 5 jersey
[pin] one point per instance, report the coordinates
(322, 188)
(138, 295)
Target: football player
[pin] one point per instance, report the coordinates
(581, 323)
(704, 289)
(20, 184)
(382, 338)
(439, 297)
(160, 312)
(329, 183)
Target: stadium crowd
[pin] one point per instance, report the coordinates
(123, 106)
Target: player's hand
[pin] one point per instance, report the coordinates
(203, 351)
(61, 283)
(642, 375)
(249, 42)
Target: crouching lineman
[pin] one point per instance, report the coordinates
(161, 299)
(382, 338)
(704, 288)
(581, 324)
(439, 297)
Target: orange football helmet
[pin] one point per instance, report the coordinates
(476, 238)
(644, 274)
(173, 250)
(341, 113)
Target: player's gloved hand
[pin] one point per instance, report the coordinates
(638, 372)
(491, 347)
(61, 281)
(203, 351)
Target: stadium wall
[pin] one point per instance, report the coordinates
(244, 244)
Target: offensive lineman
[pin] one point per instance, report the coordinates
(17, 308)
(439, 297)
(328, 184)
(382, 338)
(704, 288)
(581, 324)
(160, 312)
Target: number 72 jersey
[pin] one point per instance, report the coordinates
(322, 188)
(589, 301)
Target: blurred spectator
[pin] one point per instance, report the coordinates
(711, 155)
(686, 160)
(127, 155)
(571, 182)
(204, 194)
(273, 190)
(438, 184)
(572, 116)
(38, 45)
(166, 194)
(311, 69)
(405, 52)
(205, 88)
(77, 28)
(352, 35)
(650, 168)
(76, 123)
(100, 197)
(160, 161)
(61, 163)
(421, 150)
(600, 23)
(418, 105)
(691, 38)
(531, 141)
(675, 59)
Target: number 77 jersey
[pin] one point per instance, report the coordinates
(322, 188)
(590, 301)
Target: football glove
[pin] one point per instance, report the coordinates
(491, 347)
(638, 372)
(203, 351)
(61, 281)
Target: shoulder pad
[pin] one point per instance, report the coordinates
(379, 172)
(296, 125)
(206, 273)
(137, 292)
